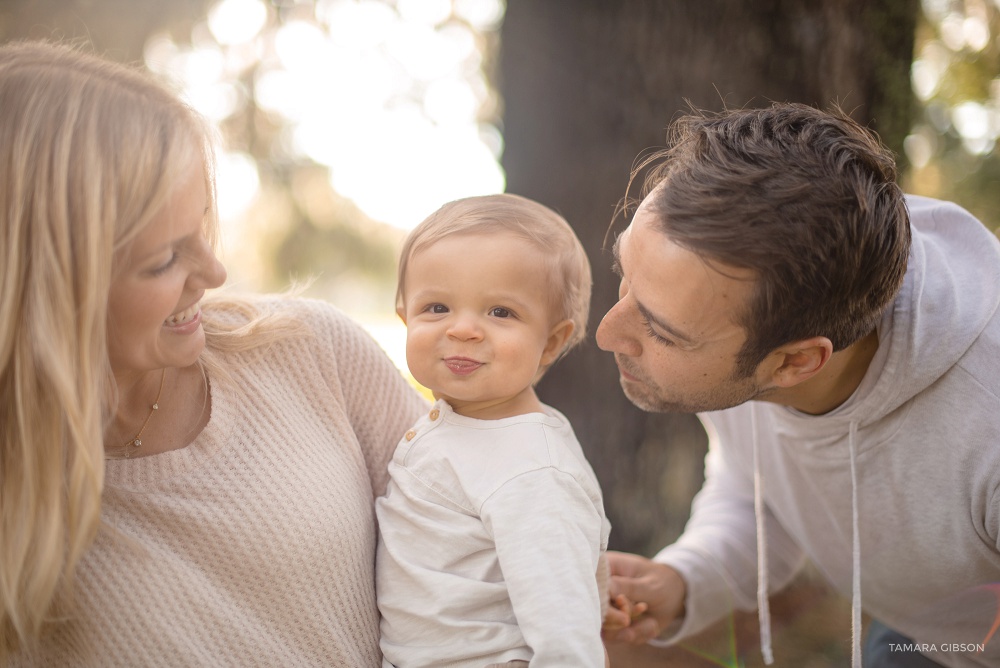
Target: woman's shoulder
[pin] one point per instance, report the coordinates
(319, 316)
(307, 309)
(262, 311)
(248, 325)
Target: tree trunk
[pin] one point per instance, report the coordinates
(589, 84)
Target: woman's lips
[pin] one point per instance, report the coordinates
(461, 366)
(184, 317)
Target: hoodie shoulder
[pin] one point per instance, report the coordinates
(949, 298)
(928, 215)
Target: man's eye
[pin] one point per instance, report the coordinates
(656, 337)
(500, 312)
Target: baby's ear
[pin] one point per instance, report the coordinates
(401, 312)
(558, 336)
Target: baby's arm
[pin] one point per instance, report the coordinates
(547, 532)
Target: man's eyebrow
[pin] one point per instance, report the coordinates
(672, 331)
(616, 266)
(616, 256)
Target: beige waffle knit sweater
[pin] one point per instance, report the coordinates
(256, 543)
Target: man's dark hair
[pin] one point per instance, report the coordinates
(805, 199)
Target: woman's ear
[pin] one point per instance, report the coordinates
(800, 360)
(558, 336)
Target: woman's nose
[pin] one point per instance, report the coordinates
(211, 272)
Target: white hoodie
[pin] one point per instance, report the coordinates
(895, 495)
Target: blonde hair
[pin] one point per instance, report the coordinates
(570, 278)
(89, 152)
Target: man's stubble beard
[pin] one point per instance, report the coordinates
(648, 397)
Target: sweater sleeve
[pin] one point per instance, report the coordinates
(380, 404)
(717, 553)
(547, 534)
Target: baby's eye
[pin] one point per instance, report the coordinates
(500, 312)
(437, 308)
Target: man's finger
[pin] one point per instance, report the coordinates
(643, 630)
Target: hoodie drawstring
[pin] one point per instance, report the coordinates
(763, 605)
(855, 553)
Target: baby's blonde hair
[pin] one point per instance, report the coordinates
(569, 269)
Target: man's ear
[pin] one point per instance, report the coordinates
(799, 361)
(558, 336)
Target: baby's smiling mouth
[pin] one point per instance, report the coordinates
(461, 366)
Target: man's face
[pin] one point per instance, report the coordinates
(673, 330)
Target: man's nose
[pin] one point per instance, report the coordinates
(613, 334)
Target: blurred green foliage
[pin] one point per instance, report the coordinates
(952, 150)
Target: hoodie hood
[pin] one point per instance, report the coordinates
(942, 308)
(940, 311)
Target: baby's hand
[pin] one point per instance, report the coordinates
(621, 612)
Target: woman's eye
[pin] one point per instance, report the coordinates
(162, 269)
(500, 312)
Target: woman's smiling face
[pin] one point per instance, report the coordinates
(154, 315)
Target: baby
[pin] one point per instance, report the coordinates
(492, 529)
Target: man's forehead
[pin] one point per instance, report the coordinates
(676, 285)
(647, 231)
(641, 219)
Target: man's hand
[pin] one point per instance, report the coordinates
(646, 597)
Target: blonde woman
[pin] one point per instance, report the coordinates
(182, 481)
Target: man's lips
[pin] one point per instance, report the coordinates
(622, 369)
(461, 366)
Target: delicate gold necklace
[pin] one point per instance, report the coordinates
(136, 440)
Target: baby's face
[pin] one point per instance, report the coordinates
(478, 319)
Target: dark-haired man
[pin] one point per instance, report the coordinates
(842, 345)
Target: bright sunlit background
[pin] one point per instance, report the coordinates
(343, 124)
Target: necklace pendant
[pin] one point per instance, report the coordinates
(136, 443)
